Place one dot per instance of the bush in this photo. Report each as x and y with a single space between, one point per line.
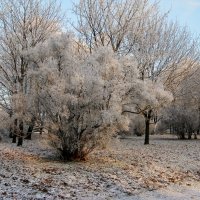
83 101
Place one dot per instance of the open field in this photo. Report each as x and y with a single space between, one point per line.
165 169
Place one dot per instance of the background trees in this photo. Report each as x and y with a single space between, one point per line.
137 29
108 23
23 24
182 117
121 57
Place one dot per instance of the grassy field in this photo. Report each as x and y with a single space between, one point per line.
166 169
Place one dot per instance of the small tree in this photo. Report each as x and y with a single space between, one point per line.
147 101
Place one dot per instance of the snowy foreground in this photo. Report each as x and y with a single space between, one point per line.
167 169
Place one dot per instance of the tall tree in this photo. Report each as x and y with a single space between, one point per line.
23 24
109 22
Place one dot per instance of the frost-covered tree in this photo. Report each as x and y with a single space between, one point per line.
109 22
137 28
183 116
82 98
189 91
23 24
180 120
162 48
147 100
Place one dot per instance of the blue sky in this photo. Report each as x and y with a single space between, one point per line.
186 12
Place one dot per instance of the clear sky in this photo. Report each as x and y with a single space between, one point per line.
186 12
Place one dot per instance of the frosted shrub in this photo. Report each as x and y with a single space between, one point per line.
82 99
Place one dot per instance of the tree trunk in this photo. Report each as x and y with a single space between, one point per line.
147 116
11 132
20 137
20 141
14 138
41 130
30 130
147 125
11 128
182 132
198 131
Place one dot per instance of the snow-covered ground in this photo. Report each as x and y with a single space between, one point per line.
166 169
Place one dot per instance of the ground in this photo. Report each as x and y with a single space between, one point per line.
166 169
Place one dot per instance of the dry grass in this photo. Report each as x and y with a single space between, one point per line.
124 170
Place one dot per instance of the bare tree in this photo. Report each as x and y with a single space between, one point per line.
139 29
162 48
147 100
183 115
109 22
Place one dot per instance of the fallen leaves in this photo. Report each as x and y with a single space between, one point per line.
122 170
